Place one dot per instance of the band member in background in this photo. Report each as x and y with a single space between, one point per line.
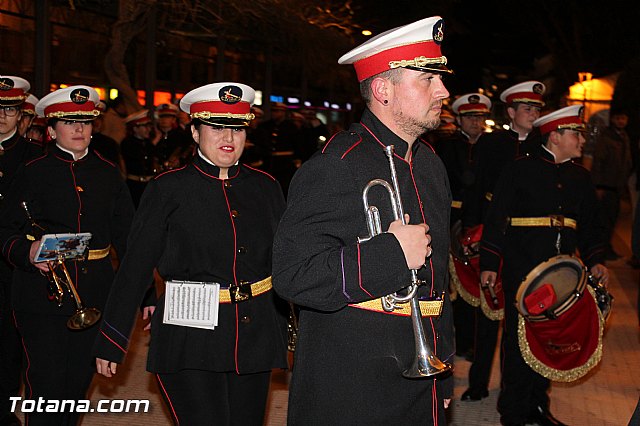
282 137
36 132
28 114
538 188
211 221
458 153
320 265
107 147
68 190
14 151
139 153
175 147
494 152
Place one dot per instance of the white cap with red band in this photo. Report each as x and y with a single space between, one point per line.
528 92
221 104
13 90
415 46
76 103
565 118
138 118
166 109
472 104
29 105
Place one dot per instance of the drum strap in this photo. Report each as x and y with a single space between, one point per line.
551 221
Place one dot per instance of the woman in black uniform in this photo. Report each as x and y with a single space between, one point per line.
68 190
211 221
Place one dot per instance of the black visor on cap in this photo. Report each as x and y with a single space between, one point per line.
440 69
74 118
224 122
11 102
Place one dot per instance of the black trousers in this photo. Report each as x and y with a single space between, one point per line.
522 389
58 363
10 345
463 321
486 337
197 397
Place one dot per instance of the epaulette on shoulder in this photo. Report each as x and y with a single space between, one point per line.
259 171
424 141
109 162
580 166
35 160
35 143
342 143
168 172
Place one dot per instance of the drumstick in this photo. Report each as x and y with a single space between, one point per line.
492 293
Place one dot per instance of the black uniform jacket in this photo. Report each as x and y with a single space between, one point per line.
494 151
319 264
139 156
193 226
65 196
15 151
459 158
536 186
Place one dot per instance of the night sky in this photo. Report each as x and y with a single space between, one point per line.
504 42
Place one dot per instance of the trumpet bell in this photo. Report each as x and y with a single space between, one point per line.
425 367
84 318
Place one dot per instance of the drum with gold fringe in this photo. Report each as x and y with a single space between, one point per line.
560 327
464 269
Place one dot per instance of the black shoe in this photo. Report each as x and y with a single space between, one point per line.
472 394
543 417
10 420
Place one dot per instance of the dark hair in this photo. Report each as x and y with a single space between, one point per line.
618 111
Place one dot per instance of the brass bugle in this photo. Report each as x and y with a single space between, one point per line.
58 284
83 317
425 362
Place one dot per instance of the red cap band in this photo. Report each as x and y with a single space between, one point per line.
379 62
473 108
139 121
12 93
553 125
217 107
69 108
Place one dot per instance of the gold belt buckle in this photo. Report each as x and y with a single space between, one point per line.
241 292
557 220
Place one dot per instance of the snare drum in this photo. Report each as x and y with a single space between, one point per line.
551 288
559 326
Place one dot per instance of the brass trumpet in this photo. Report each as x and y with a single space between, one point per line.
83 317
425 363
60 280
